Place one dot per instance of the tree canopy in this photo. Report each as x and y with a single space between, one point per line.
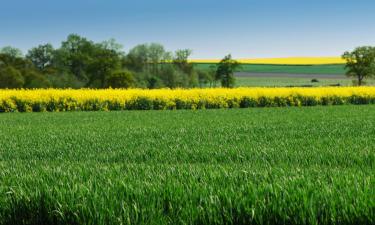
79 62
360 63
225 71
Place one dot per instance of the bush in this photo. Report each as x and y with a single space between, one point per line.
36 80
11 78
121 79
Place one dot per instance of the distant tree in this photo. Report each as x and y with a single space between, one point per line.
75 55
14 52
225 71
156 54
193 79
90 63
154 82
112 45
205 78
360 63
34 79
180 59
137 59
16 62
103 63
41 56
173 77
121 79
11 78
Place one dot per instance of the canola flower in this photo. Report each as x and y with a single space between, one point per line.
37 100
283 61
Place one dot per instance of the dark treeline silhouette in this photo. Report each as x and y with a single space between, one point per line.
82 63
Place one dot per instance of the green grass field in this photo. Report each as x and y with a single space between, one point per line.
320 72
292 69
311 165
289 81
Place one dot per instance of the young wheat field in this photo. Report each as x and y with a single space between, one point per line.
310 165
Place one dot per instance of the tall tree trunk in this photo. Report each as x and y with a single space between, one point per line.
360 78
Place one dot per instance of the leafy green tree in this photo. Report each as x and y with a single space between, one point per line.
64 80
180 59
193 79
121 79
20 72
41 56
15 62
90 63
112 45
154 82
14 52
205 78
146 58
360 63
173 77
75 56
11 78
225 71
34 79
103 64
137 59
156 54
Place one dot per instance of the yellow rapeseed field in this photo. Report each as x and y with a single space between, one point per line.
282 61
124 99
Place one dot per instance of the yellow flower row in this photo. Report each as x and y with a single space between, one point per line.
124 99
283 61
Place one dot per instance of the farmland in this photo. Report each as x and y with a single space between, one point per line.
244 79
282 61
276 75
310 165
286 69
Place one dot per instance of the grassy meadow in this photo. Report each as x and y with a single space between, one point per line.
282 61
309 165
289 81
289 75
288 69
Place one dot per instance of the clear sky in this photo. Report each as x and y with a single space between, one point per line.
211 28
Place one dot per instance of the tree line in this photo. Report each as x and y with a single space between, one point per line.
82 63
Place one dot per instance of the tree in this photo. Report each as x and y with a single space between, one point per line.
75 55
41 56
173 77
205 78
146 58
15 62
34 79
90 63
112 45
121 79
180 59
103 63
225 71
9 50
11 78
138 58
156 53
360 63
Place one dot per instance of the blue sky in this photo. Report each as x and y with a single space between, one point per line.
211 28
